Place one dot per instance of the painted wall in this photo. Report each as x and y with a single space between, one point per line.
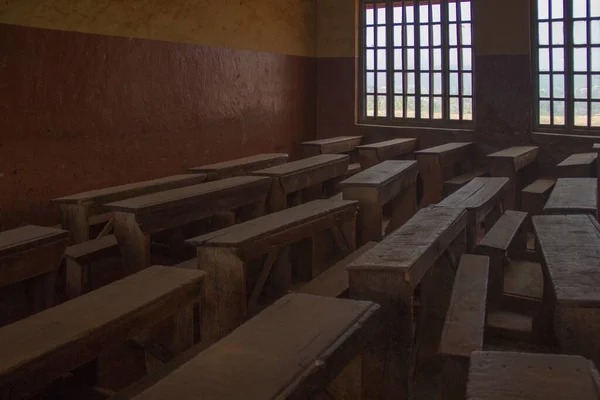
81 111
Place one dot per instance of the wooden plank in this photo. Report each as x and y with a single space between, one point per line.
535 195
116 193
452 185
334 281
580 165
445 148
381 174
91 250
374 153
40 349
572 196
465 319
520 156
241 166
476 193
290 350
28 237
336 145
504 231
413 248
511 375
568 243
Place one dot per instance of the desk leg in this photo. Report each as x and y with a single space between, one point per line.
500 168
370 213
576 331
75 219
405 206
543 323
134 243
277 197
433 179
225 303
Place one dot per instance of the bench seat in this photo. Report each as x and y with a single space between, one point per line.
452 185
335 145
580 165
241 166
535 195
374 153
290 350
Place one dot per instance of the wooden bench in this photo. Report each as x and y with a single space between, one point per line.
517 163
597 150
534 196
407 273
374 153
508 375
581 165
389 182
241 166
452 185
480 198
502 237
77 209
52 343
225 256
301 181
135 219
440 163
29 260
336 145
465 323
291 350
572 196
80 259
570 248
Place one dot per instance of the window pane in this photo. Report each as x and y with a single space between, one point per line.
452 11
410 107
454 109
594 8
452 35
595 86
580 89
381 36
558 59
381 106
437 108
580 60
437 83
595 114
424 13
436 12
410 35
410 13
381 66
397 59
543 12
558 33
398 111
467 84
398 83
437 35
425 59
544 33
424 36
595 27
466 34
579 32
595 59
467 109
454 83
466 58
557 9
559 86
437 59
370 82
397 36
369 16
453 59
397 14
425 108
559 113
370 59
410 83
381 82
544 112
580 8
410 59
544 60
370 106
580 109
381 15
465 11
544 86
425 83
370 38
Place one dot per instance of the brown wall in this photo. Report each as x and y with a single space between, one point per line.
80 111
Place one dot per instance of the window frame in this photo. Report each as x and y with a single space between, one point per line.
569 99
390 119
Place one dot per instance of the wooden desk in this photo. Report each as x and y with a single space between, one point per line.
572 196
581 165
437 164
513 163
303 178
510 375
390 181
29 255
570 249
136 218
241 166
407 276
336 145
225 255
291 350
76 209
52 343
374 153
479 197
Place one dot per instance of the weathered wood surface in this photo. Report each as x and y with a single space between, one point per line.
290 350
374 153
572 196
334 281
241 166
502 234
440 163
508 375
535 195
580 165
43 347
390 181
336 145
452 185
28 237
519 156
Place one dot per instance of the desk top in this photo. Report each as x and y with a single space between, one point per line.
27 237
476 193
572 196
242 166
304 165
445 148
381 174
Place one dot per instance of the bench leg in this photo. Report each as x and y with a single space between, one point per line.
134 243
454 378
277 200
225 304
75 219
433 179
370 222
404 208
281 274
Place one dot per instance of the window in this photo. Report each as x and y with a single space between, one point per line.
566 43
416 62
